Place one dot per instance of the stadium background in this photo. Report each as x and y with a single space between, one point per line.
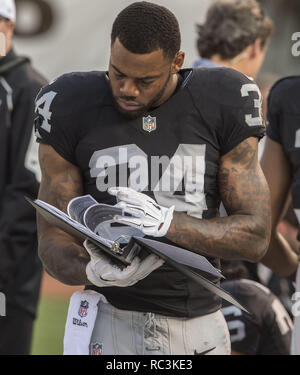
71 35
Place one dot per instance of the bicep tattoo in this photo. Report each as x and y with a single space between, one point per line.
242 185
59 188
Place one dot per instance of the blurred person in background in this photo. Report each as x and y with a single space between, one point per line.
20 268
235 34
281 166
267 330
282 287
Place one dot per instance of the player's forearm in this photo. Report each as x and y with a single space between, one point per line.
233 237
64 259
280 257
62 256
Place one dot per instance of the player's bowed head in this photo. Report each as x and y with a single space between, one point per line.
145 58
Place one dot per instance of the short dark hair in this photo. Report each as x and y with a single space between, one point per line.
231 26
144 27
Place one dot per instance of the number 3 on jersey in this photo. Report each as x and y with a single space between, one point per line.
42 107
245 90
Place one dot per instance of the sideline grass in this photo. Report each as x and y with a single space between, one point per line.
49 326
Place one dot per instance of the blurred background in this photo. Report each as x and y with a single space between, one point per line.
71 35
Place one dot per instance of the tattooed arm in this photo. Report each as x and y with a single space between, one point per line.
63 257
245 233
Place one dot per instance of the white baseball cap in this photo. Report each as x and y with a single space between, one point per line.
8 9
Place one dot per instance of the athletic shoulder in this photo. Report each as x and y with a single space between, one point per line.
267 329
284 95
248 331
286 84
221 84
229 102
66 106
73 92
283 109
247 288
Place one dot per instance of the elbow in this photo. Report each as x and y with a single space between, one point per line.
259 242
54 268
257 253
64 261
260 252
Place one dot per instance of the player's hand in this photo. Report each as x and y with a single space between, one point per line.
149 217
102 272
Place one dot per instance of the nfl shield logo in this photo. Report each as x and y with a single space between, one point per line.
149 123
97 349
83 309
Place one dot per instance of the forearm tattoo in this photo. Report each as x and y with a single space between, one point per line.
62 255
61 190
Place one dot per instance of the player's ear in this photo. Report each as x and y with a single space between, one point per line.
255 48
177 62
10 28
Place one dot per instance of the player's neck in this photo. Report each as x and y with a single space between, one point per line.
170 89
226 63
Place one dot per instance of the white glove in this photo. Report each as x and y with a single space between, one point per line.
102 272
149 217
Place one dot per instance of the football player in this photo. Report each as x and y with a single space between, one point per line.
235 34
267 330
169 144
282 150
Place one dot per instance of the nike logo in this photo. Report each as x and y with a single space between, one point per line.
205 351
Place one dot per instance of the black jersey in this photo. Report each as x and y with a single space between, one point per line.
267 330
172 153
284 127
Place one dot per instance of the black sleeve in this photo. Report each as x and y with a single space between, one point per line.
276 333
273 115
58 115
17 218
241 109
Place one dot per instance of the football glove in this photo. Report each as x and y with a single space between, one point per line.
102 272
148 216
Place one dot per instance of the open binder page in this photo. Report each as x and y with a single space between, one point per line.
78 206
56 217
184 261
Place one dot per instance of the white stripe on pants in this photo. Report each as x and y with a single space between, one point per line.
123 332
